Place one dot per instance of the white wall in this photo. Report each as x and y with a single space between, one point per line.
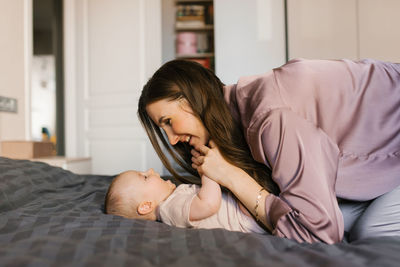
379 29
323 29
168 30
249 37
352 29
15 56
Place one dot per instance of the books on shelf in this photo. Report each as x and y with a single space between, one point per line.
190 16
186 11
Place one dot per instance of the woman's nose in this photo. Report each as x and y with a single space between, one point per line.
173 138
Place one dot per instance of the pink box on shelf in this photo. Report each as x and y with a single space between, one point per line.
186 43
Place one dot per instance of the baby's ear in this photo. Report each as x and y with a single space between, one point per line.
145 207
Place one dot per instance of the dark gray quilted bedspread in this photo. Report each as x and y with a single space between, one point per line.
52 217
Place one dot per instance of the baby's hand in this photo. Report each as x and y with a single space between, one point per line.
209 161
196 160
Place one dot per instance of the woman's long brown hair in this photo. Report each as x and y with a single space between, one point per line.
203 90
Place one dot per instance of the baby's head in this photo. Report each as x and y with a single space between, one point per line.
136 195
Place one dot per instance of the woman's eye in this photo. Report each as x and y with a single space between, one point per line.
168 122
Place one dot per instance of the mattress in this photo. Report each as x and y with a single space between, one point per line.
53 217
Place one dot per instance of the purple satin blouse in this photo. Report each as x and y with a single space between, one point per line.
327 129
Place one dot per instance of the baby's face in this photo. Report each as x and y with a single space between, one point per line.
146 185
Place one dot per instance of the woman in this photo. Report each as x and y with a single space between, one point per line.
289 143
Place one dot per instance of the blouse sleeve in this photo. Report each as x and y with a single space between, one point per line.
304 162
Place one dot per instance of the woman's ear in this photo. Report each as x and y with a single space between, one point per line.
145 207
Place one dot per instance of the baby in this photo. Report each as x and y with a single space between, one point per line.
145 195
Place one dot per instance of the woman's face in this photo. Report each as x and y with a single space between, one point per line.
176 118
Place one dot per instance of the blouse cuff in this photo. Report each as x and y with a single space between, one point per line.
275 208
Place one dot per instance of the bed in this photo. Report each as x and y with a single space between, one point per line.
52 217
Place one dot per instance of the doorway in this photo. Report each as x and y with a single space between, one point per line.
47 74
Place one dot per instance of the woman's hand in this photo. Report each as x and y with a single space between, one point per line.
210 162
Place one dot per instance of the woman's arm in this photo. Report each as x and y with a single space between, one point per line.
304 164
243 186
207 201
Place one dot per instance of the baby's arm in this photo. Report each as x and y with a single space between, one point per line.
207 201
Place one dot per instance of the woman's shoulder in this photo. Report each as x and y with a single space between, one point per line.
303 67
255 95
266 86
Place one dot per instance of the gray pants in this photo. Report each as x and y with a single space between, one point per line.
378 217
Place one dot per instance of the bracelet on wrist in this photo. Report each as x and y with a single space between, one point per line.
257 204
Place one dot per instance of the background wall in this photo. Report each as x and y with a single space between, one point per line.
15 53
354 29
113 47
249 37
168 29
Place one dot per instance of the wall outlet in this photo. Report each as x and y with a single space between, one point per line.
8 104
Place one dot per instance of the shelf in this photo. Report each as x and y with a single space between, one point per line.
194 30
189 28
198 55
192 1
